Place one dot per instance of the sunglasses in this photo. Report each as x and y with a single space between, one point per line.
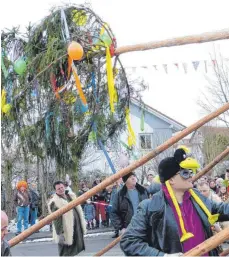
184 173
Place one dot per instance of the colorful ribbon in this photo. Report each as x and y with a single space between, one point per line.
78 86
110 80
131 134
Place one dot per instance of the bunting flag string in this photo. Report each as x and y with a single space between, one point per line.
185 67
165 68
177 65
196 65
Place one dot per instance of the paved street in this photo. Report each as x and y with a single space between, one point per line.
93 245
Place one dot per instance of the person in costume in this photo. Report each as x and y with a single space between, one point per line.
177 218
22 200
68 229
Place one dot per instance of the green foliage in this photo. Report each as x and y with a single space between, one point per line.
46 125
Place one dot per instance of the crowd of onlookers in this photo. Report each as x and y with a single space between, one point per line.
98 208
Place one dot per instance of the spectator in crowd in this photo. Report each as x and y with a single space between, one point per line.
213 186
22 200
150 176
71 226
5 248
83 189
175 220
126 201
34 203
89 212
154 187
108 202
205 190
223 194
117 186
99 201
219 183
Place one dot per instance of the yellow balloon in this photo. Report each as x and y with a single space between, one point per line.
79 17
6 108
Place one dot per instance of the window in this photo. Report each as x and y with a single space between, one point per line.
145 141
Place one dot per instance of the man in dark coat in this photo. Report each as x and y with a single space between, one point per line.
175 219
126 201
69 229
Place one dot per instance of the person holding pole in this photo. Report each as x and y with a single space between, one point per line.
177 218
69 229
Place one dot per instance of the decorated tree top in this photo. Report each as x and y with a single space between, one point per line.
60 86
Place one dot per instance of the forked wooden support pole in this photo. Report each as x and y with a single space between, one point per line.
116 176
211 164
192 39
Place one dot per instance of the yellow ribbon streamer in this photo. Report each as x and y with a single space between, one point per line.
211 218
78 86
185 235
110 80
131 134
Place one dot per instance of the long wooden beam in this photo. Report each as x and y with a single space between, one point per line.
118 175
209 244
211 164
192 39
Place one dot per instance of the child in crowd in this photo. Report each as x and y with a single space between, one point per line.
89 212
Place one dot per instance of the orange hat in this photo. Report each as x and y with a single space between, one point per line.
22 184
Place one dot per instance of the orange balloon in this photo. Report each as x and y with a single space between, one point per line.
75 51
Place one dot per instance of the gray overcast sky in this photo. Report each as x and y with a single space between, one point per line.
133 22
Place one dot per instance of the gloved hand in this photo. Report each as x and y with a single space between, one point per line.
61 239
173 254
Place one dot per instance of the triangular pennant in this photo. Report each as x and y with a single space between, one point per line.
195 64
205 64
184 64
214 62
177 65
165 68
155 67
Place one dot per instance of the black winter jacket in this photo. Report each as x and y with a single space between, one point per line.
122 210
153 230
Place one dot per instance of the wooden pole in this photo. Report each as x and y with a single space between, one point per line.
116 176
209 244
108 247
192 39
211 164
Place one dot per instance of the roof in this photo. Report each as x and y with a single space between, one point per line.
177 125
